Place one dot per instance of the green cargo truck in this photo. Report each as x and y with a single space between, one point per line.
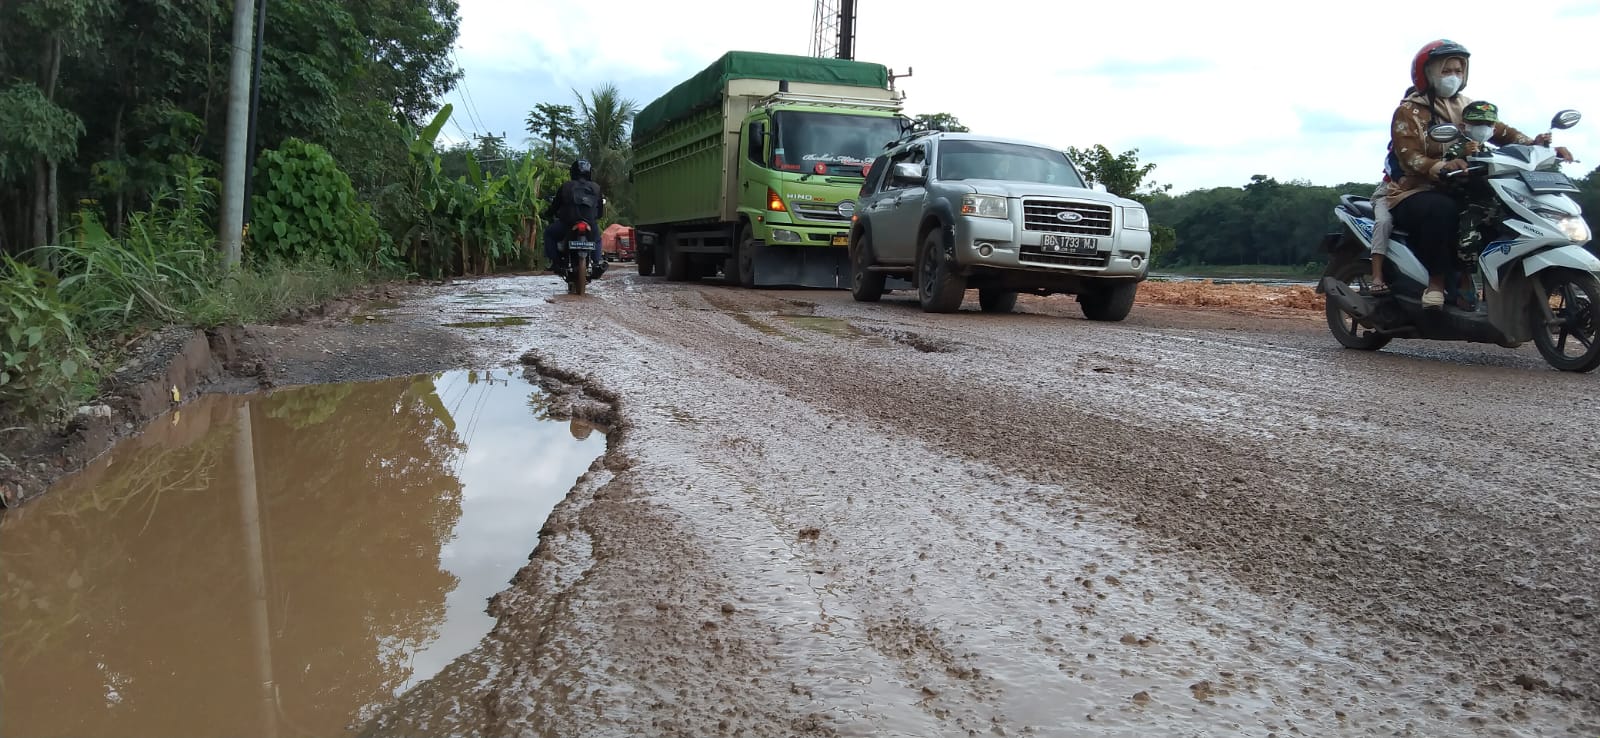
751 168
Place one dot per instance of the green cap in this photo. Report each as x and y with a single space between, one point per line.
1481 112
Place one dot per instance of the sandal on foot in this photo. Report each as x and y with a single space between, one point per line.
1433 298
1379 289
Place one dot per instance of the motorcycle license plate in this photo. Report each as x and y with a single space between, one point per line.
1056 243
841 239
1543 182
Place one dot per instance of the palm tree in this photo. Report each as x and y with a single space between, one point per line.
602 138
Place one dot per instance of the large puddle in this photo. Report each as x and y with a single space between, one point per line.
277 565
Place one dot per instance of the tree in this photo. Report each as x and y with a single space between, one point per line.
1124 176
602 138
552 123
1589 199
941 121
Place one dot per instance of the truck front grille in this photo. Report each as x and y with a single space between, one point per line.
819 213
1032 254
1044 215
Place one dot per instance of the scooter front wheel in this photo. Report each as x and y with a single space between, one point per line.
1343 325
1570 342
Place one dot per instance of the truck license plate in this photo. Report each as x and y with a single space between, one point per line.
1055 243
841 239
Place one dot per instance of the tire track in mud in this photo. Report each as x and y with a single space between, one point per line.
960 514
1267 513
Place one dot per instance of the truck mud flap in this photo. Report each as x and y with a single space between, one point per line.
802 266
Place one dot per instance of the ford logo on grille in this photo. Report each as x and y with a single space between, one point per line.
847 208
1067 216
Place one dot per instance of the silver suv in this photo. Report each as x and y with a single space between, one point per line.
955 211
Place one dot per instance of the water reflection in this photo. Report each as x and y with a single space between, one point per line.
277 565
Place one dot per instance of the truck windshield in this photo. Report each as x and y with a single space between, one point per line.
1005 161
829 143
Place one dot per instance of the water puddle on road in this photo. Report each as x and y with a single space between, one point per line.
277 565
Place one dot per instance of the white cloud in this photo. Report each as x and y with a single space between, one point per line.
1241 87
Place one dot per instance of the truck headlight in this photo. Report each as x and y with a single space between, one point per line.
1135 218
984 206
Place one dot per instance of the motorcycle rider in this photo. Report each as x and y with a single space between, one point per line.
579 199
1431 217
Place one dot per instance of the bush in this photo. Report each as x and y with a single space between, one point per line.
162 264
43 359
307 210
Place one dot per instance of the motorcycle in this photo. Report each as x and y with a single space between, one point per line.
576 260
1532 278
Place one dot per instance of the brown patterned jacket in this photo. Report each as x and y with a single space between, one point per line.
1420 157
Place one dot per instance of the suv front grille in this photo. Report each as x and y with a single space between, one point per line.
1032 254
1043 215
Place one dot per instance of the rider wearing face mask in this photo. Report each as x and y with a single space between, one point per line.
1438 75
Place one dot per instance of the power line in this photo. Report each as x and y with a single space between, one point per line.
472 106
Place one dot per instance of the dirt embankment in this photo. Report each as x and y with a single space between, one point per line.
167 368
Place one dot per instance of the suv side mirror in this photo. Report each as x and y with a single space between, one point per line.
1444 133
910 172
1565 119
1097 187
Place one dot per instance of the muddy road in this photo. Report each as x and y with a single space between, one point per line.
818 517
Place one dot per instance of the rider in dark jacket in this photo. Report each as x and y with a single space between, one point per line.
578 199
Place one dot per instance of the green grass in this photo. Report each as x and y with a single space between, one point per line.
269 292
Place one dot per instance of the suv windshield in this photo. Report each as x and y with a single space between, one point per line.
961 159
826 143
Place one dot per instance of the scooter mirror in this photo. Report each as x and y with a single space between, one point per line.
1444 133
1565 119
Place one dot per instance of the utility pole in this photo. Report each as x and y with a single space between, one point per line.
255 111
233 163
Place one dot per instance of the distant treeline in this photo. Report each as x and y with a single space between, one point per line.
1272 222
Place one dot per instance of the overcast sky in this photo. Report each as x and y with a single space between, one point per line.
1212 93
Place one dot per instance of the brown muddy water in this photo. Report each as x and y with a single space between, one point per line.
277 565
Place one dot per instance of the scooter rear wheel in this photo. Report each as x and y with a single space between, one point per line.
580 276
1573 343
1343 325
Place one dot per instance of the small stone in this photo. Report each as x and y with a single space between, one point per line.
727 609
1141 697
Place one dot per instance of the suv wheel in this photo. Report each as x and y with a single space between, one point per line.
939 288
997 301
1108 303
865 285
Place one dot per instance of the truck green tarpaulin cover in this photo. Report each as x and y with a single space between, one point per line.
705 89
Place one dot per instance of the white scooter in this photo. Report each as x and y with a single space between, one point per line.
1537 280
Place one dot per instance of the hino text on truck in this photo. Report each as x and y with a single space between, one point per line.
752 167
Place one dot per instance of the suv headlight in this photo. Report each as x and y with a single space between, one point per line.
984 206
1136 218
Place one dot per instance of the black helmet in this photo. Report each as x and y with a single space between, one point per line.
582 170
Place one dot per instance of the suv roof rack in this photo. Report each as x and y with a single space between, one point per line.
912 133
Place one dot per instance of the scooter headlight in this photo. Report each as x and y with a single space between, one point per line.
1572 226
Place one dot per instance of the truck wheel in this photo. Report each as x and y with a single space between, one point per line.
677 269
865 285
1109 303
939 289
744 259
646 262
997 301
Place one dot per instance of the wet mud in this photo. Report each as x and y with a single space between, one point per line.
828 518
